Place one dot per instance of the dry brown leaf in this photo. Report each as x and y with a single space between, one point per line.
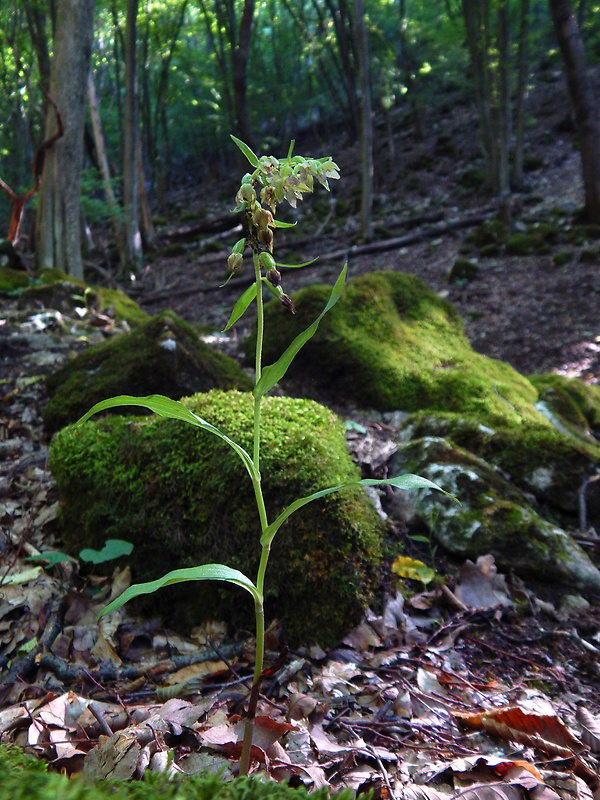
544 731
590 728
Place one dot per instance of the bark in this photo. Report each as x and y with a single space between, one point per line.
58 231
586 119
504 113
521 94
133 239
103 166
366 124
240 72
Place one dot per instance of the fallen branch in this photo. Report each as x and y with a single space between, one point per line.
334 255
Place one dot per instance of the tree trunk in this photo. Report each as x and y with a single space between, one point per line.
133 239
504 113
366 124
103 166
58 228
240 74
521 94
586 119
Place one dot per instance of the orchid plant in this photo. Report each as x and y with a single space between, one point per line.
271 182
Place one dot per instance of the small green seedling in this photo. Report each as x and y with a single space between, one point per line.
261 191
113 548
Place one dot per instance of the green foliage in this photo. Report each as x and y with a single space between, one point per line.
22 777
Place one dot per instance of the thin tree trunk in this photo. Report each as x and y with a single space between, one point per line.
133 239
104 168
240 72
504 112
366 124
586 119
523 75
58 229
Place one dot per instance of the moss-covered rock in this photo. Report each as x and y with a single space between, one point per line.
12 279
576 402
543 461
54 289
184 498
493 516
391 343
22 777
164 356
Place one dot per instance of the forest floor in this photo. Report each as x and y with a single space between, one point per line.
418 694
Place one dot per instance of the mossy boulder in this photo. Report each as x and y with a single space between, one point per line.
493 516
390 343
53 289
183 497
163 356
541 460
11 280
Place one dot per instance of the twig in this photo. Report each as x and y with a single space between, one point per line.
383 771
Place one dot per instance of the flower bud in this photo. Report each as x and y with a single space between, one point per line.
265 237
239 246
247 193
274 277
266 260
234 262
261 218
287 302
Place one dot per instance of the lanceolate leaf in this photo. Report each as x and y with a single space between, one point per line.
275 372
241 305
408 481
207 572
279 224
172 409
250 155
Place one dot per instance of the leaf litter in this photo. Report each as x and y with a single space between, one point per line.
476 689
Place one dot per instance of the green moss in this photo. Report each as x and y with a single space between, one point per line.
24 778
391 343
164 356
183 497
12 279
490 232
538 458
125 309
580 234
489 250
472 178
562 258
578 403
463 269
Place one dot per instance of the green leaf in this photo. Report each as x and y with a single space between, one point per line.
172 409
252 157
295 266
408 481
412 568
279 224
206 572
275 372
113 548
241 305
50 558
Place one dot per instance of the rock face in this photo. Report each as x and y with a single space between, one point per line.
183 497
493 517
163 356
